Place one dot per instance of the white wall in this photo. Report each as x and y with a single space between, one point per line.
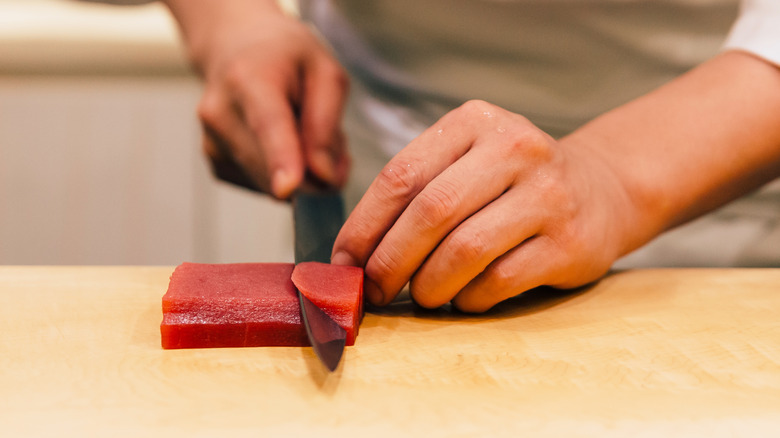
100 158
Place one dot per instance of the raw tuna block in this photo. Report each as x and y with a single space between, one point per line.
255 304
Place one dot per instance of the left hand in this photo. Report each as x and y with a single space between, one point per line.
273 96
482 207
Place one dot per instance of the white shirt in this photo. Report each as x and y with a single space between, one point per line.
559 63
757 30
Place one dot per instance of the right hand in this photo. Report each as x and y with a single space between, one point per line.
274 96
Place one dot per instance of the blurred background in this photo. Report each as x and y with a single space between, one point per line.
100 156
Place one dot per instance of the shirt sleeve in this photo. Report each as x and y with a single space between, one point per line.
757 30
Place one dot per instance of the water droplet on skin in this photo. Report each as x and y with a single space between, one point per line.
501 129
487 114
440 131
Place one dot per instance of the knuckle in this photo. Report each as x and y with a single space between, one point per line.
556 195
500 277
398 181
496 284
382 265
531 144
425 297
477 106
430 292
436 204
473 112
466 246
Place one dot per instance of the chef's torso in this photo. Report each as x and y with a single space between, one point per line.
558 62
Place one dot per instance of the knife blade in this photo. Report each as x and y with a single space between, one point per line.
317 219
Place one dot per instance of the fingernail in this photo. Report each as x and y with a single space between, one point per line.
325 165
282 183
373 293
343 258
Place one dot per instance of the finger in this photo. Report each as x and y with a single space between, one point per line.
397 184
230 146
223 166
466 187
322 106
468 250
534 263
268 112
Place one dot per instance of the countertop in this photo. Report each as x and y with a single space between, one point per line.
687 352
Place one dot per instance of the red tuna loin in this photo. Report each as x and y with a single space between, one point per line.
252 304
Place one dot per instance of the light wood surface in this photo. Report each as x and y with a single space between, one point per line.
642 353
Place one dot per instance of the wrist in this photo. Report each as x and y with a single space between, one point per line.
615 198
692 145
629 198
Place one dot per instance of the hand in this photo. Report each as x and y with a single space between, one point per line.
273 99
481 207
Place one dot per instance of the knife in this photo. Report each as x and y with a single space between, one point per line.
317 218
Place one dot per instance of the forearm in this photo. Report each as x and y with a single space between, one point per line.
198 18
694 144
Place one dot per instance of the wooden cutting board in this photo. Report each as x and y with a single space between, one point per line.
642 353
